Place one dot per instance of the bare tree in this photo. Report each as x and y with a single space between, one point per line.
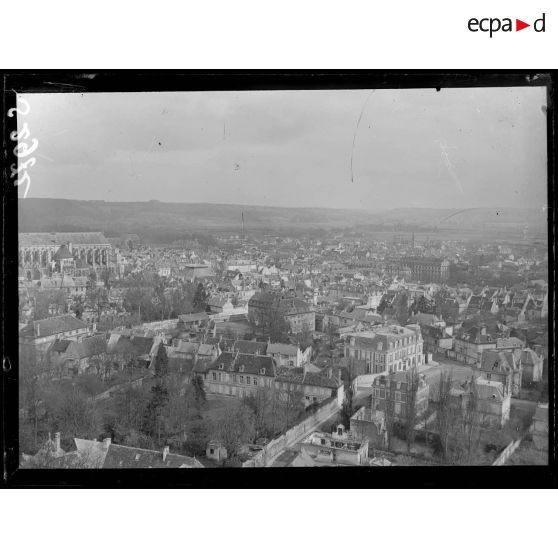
444 412
260 403
389 412
234 428
410 418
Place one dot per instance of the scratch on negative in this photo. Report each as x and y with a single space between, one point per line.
356 130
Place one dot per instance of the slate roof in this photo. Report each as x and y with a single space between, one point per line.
53 326
136 345
186 347
89 346
384 335
262 298
205 349
297 376
510 342
250 347
126 457
435 332
499 361
282 349
473 335
425 319
63 253
232 362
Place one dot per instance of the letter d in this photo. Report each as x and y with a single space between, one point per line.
535 25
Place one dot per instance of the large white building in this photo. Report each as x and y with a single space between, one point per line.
387 348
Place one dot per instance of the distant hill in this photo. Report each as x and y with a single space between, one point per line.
45 215
155 218
489 216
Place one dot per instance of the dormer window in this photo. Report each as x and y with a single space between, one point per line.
221 366
241 368
262 371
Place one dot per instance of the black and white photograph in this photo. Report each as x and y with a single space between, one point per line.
282 277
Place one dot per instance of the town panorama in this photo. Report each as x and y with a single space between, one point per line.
160 334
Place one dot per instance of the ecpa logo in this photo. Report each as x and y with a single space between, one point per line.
493 25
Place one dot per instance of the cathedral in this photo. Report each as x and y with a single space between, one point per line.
74 254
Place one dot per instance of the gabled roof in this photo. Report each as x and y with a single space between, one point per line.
474 335
282 349
116 456
253 364
205 349
135 345
297 376
63 253
186 347
499 361
510 342
435 332
52 326
250 347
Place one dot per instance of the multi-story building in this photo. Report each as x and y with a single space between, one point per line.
436 339
239 374
395 392
503 366
469 345
387 349
492 402
288 355
300 321
310 387
266 308
427 270
532 365
40 334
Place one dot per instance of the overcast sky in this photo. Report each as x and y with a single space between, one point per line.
352 149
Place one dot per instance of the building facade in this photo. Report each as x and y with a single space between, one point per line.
428 270
387 349
394 392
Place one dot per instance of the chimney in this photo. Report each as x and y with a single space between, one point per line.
106 443
37 329
165 452
57 442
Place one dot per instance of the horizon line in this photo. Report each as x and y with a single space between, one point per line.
280 206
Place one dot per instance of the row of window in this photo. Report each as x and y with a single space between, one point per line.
381 357
241 368
239 378
381 394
